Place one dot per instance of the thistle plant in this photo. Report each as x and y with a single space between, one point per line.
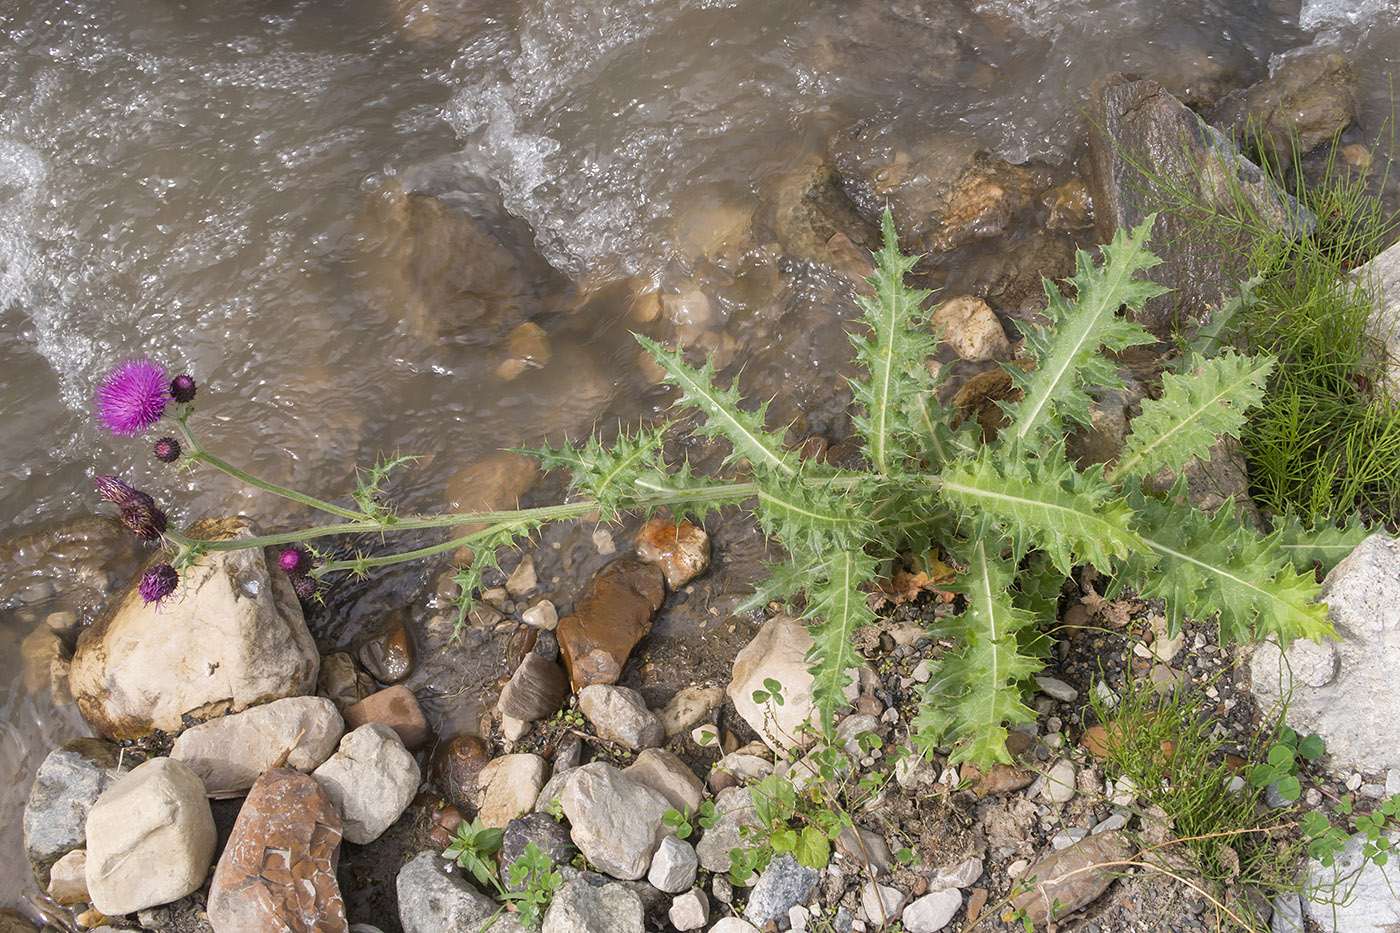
1012 514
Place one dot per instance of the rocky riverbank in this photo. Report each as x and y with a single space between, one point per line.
320 788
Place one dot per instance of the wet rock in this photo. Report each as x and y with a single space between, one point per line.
613 614
371 778
814 220
778 652
496 481
45 661
342 681
397 708
550 837
389 656
456 767
689 911
1345 690
510 785
616 821
230 752
522 580
664 772
619 714
1211 480
783 884
277 872
673 867
448 254
971 328
689 706
1136 124
932 912
235 638
581 907
68 879
1309 97
735 808
68 783
527 347
433 898
542 615
682 551
943 191
536 690
150 838
1012 278
1061 878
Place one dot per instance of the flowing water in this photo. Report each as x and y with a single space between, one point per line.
219 186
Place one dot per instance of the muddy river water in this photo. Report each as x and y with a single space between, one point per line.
221 186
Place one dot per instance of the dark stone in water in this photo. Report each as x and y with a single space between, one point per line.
1136 125
455 767
613 614
391 655
539 828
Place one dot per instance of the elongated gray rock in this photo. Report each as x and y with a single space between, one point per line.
619 714
150 838
230 752
616 822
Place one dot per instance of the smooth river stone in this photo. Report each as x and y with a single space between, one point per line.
391 655
613 614
229 753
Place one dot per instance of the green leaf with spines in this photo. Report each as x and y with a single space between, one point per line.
1201 565
1067 351
1326 545
606 473
893 356
785 579
798 514
685 492
974 692
1044 502
724 417
838 605
1193 413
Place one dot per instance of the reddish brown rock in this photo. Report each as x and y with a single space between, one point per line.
397 708
1069 879
390 655
681 551
607 622
277 872
455 767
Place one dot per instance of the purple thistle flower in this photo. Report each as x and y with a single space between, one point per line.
167 450
143 518
295 561
114 490
132 397
182 388
158 583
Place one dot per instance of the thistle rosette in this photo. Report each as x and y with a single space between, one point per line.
133 397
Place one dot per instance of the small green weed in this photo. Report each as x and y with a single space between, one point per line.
1282 762
473 849
534 870
684 822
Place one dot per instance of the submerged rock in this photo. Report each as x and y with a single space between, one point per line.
613 614
681 550
390 655
1138 126
235 637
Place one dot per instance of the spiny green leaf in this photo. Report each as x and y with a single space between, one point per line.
801 514
1326 545
1193 413
687 493
893 355
1043 502
785 579
607 473
839 605
1067 352
974 692
1202 565
723 415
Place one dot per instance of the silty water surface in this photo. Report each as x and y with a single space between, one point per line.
201 182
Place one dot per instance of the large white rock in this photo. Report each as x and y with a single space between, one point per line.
510 785
231 638
615 821
1353 896
1345 690
619 714
150 838
778 652
372 778
230 752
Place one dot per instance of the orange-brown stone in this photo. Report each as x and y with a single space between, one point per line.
613 614
397 708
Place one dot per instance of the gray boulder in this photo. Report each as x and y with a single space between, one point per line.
432 900
582 907
1354 895
69 782
616 821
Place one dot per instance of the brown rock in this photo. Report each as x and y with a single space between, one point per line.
277 872
682 551
445 822
971 328
607 622
397 708
1068 877
342 682
455 767
390 656
537 689
1002 779
975 903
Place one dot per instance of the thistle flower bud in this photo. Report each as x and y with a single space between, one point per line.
295 561
167 450
305 587
144 519
182 388
114 490
158 583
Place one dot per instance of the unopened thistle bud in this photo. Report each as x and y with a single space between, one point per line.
182 388
144 519
305 588
167 450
